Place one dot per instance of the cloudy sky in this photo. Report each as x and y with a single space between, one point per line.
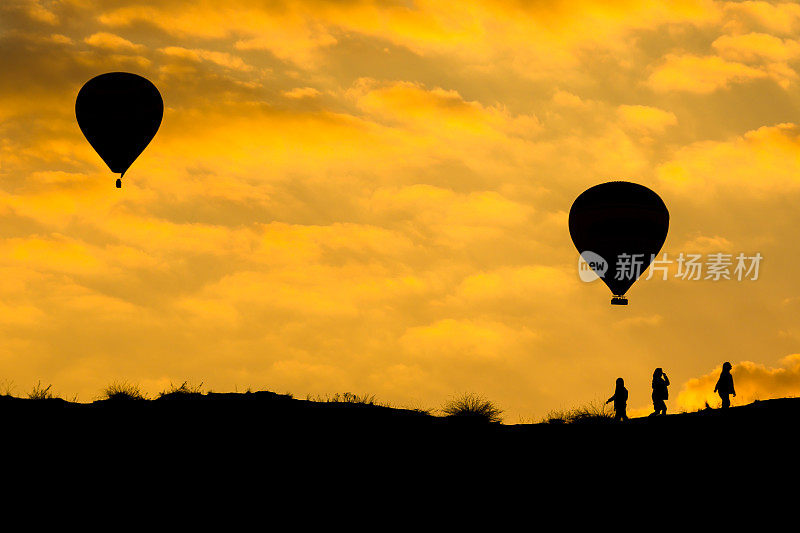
372 197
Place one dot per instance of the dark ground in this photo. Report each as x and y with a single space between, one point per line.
273 439
255 449
243 419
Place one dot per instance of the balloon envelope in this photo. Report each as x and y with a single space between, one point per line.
119 114
616 220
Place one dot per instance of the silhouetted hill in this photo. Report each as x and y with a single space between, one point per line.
263 431
280 416
271 437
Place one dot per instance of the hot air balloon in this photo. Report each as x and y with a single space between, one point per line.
618 227
119 114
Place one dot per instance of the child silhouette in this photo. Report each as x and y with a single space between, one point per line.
660 394
620 400
724 385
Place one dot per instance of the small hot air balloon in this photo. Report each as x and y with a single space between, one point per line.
119 114
623 223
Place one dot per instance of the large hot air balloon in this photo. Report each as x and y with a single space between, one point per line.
119 113
618 227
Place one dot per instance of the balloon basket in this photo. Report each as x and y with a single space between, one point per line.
619 300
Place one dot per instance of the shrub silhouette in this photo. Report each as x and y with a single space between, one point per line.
473 407
556 417
347 397
591 413
184 392
8 388
39 393
416 407
122 390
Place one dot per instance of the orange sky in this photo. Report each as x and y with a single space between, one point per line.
372 197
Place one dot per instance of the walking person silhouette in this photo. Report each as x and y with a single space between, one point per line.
724 385
660 393
620 399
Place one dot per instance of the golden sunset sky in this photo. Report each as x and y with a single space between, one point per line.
373 196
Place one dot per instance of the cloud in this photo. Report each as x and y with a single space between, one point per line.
706 244
530 38
285 30
38 12
756 47
112 42
638 321
466 340
771 54
700 74
222 59
761 161
511 287
442 217
752 381
647 118
301 92
567 99
60 39
20 315
438 109
778 17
